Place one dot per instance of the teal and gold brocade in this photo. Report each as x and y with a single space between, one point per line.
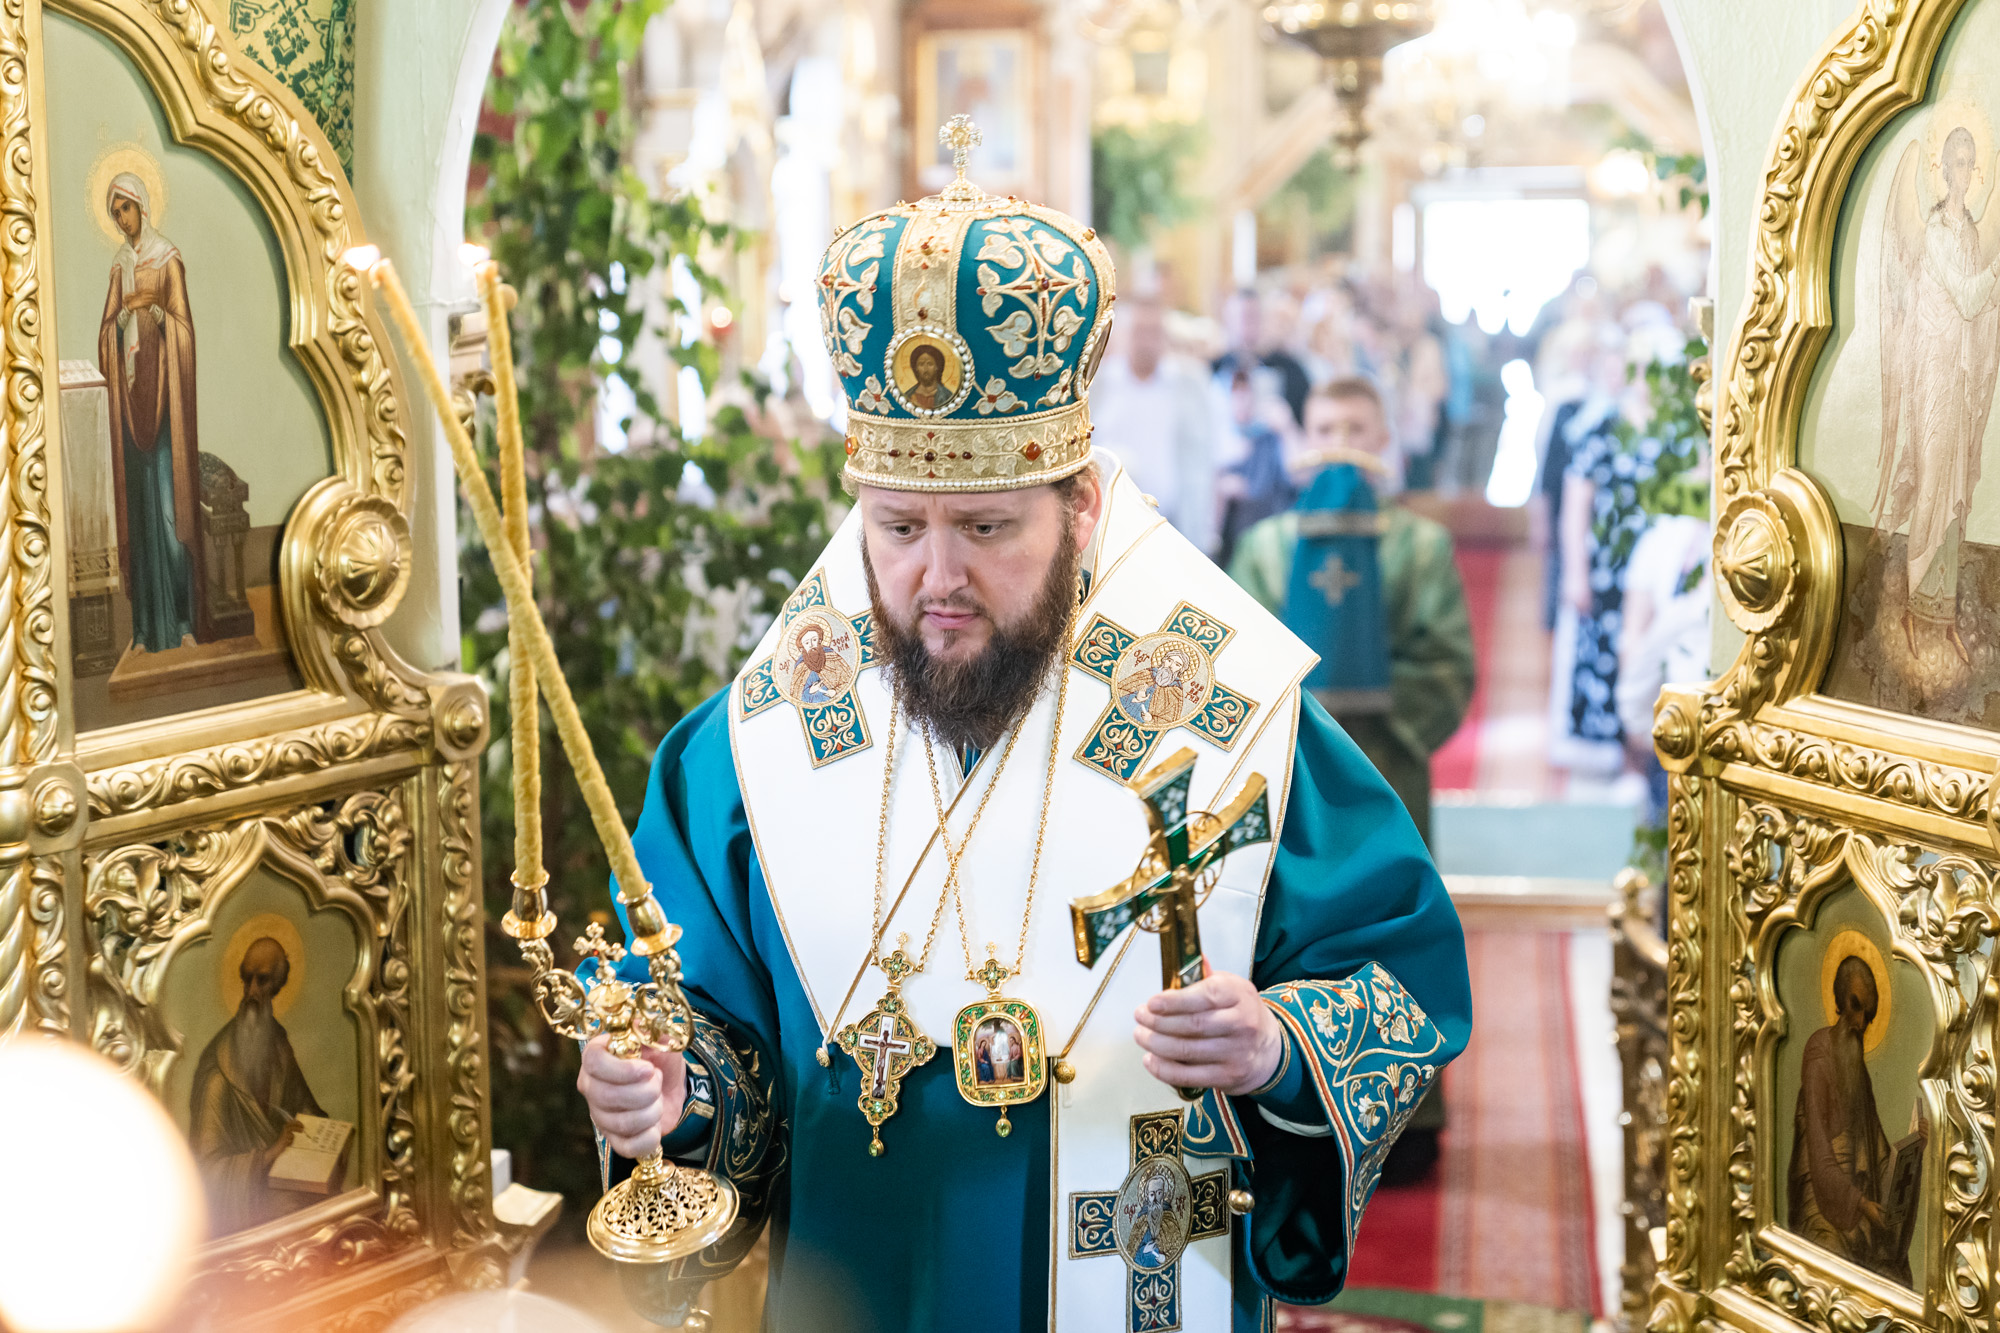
1362 1053
309 44
1007 302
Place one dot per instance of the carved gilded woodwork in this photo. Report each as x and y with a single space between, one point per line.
1639 1010
357 792
1785 802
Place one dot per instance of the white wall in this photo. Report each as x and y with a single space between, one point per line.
420 71
1743 60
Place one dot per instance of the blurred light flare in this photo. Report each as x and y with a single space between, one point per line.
105 1213
1502 260
1512 481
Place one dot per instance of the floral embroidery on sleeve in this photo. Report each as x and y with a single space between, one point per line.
1373 1053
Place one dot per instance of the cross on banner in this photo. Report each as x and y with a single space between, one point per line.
1150 1220
1184 851
1335 580
1158 681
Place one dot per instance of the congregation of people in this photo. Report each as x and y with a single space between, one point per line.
1225 421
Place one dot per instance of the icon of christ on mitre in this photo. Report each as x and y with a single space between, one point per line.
854 918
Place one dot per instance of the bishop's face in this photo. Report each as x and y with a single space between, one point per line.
953 567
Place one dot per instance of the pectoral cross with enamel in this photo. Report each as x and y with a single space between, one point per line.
886 1046
1177 869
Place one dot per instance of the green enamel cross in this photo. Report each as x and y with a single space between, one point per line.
993 973
1163 893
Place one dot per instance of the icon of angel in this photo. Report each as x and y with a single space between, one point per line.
820 675
1940 351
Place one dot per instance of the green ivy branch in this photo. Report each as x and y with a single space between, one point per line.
1135 180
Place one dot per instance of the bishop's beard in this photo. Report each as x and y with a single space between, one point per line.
971 702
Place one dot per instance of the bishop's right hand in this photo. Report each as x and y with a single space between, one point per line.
633 1102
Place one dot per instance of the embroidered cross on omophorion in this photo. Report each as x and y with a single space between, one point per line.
1150 1220
1158 681
820 655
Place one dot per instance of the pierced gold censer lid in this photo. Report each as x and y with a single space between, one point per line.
664 1211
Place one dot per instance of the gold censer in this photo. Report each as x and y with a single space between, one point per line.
665 1211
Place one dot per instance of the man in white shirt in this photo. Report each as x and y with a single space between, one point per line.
1156 416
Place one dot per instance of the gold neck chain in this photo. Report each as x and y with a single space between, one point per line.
994 974
882 840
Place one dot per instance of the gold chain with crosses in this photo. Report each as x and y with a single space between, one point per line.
991 975
1062 1069
882 835
869 957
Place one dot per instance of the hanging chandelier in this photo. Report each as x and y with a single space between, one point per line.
1351 37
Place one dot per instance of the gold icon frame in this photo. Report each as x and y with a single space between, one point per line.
361 788
1780 796
1027 1021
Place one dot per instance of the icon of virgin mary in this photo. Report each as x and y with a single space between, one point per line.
145 348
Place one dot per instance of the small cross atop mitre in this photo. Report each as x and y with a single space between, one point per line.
961 136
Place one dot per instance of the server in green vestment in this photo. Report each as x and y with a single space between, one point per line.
870 843
1422 600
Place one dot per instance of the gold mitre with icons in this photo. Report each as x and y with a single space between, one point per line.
965 328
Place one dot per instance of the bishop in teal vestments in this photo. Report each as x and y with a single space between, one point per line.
1002 580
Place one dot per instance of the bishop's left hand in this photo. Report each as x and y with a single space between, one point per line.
1217 1033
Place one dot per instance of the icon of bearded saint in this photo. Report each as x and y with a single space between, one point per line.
1163 690
1157 1230
819 674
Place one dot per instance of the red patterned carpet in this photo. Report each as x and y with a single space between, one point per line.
1455 767
1507 1215
1368 1311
